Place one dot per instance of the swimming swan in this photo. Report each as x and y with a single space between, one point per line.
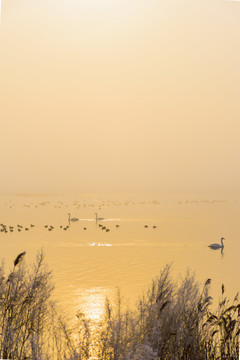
72 219
216 246
99 218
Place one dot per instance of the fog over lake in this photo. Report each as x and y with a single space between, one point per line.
129 110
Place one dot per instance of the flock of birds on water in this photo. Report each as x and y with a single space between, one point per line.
8 228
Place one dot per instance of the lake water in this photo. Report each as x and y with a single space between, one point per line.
90 264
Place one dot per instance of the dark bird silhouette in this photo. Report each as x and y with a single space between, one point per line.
216 246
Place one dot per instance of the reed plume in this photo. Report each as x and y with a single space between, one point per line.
19 258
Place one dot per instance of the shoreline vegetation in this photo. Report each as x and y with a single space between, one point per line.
171 321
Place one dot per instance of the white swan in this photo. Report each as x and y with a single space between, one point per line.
99 218
72 219
216 246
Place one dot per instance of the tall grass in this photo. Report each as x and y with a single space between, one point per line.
171 321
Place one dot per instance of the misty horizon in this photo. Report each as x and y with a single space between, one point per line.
118 98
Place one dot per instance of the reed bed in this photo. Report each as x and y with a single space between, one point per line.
171 321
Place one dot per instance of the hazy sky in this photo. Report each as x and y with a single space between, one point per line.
120 96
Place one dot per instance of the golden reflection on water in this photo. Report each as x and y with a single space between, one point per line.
91 302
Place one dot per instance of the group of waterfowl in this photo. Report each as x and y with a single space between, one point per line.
8 228
103 227
65 227
50 227
5 228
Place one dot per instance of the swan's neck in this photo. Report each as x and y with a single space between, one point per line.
222 243
96 215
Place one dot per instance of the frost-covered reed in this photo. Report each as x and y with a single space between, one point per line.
171 321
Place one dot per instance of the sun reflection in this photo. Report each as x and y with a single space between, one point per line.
92 302
99 244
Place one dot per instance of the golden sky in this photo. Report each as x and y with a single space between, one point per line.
120 96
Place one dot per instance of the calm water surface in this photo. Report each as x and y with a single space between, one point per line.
90 264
